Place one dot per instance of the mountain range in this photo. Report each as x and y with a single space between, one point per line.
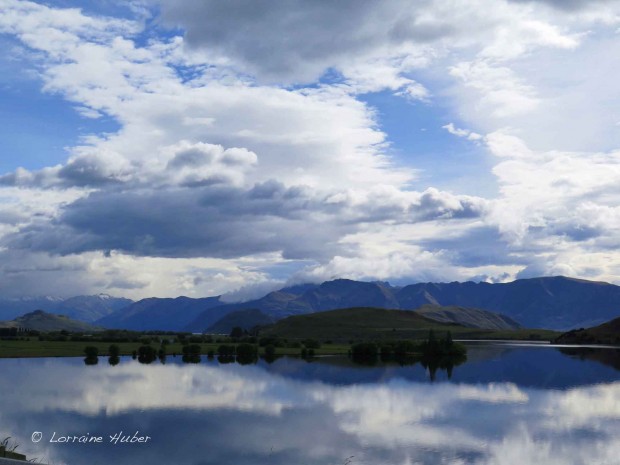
558 303
160 313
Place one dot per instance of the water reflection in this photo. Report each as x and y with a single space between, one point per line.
606 357
210 413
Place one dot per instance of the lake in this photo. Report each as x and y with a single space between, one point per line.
509 404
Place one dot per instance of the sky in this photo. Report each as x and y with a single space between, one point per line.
173 147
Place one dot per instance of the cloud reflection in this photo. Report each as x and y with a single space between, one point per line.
246 415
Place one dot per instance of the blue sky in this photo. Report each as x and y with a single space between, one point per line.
418 138
160 148
36 127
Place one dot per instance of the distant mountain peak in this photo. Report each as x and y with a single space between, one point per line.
35 313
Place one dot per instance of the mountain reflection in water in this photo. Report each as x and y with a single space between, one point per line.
511 406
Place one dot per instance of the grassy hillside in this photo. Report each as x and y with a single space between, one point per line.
607 333
470 317
42 321
245 319
365 323
356 323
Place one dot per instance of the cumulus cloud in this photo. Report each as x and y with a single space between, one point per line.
300 41
560 208
499 90
401 34
227 222
231 148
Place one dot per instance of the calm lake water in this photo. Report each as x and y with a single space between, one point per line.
508 405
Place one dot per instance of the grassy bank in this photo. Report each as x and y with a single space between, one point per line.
35 348
327 333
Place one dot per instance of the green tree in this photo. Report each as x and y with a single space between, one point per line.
236 332
191 353
92 355
114 350
270 350
225 350
146 354
311 344
91 352
246 353
365 352
192 349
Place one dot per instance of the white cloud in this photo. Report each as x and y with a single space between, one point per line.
466 133
499 91
503 144
560 207
213 133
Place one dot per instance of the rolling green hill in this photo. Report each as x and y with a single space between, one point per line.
365 323
357 323
607 333
42 321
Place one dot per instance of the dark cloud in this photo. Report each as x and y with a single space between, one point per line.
580 233
476 247
21 178
26 273
567 5
215 222
191 158
434 205
86 171
224 222
83 171
573 230
12 217
299 39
